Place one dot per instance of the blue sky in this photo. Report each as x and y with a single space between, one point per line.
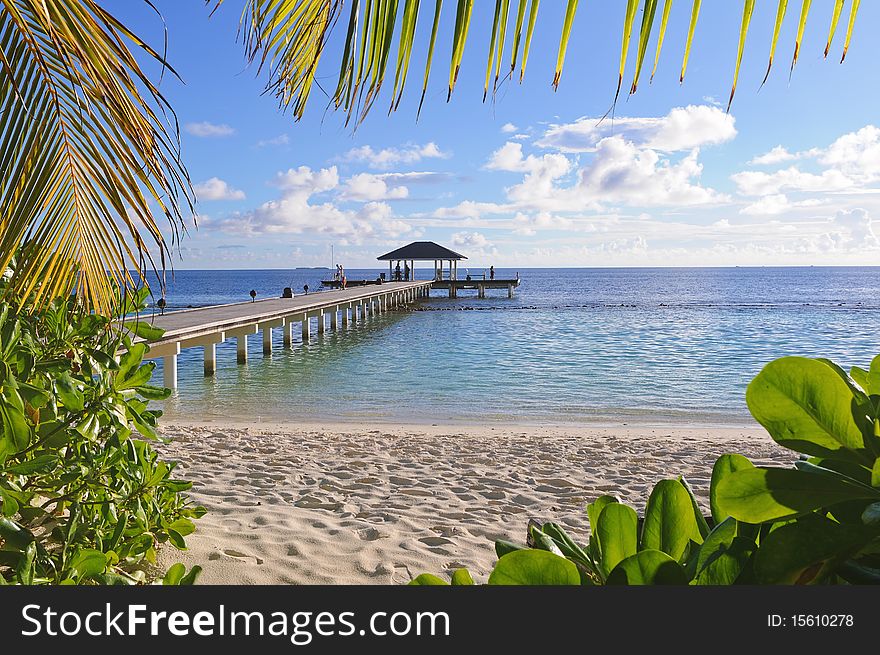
790 176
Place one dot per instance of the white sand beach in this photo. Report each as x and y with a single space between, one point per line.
337 504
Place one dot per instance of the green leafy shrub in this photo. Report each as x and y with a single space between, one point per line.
816 523
84 498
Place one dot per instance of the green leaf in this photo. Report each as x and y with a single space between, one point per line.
702 524
724 465
182 526
428 580
190 578
130 361
174 575
803 552
462 578
648 567
88 562
144 330
617 532
534 567
669 520
40 464
502 547
723 555
806 406
153 393
760 495
69 392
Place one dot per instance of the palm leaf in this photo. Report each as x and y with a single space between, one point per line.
533 17
648 12
667 7
748 8
517 33
86 158
631 7
491 55
835 17
802 25
459 37
780 16
570 11
437 7
849 30
404 50
695 14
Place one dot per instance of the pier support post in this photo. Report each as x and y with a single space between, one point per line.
334 319
267 341
306 328
241 348
510 291
210 358
288 333
169 371
322 324
345 316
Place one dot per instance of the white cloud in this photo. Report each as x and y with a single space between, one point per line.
856 228
280 140
217 189
776 203
473 240
683 128
205 129
509 128
295 211
389 157
775 155
758 183
366 186
856 154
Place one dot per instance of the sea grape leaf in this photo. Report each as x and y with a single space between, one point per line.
806 406
669 520
724 465
760 495
617 531
534 567
648 567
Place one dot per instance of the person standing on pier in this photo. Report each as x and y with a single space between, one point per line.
397 272
406 272
491 272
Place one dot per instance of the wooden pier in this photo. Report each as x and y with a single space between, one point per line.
207 326
453 286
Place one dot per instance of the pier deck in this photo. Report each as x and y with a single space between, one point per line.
479 284
207 326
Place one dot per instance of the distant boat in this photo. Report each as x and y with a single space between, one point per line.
312 268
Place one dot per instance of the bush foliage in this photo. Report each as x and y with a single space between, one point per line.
84 498
816 523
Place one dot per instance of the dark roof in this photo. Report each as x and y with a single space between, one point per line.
422 250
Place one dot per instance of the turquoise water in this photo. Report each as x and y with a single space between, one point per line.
572 345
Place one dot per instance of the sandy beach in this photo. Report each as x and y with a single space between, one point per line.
336 504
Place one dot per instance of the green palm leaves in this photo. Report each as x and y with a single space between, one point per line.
292 34
86 159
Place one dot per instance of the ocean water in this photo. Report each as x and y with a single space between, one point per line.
606 346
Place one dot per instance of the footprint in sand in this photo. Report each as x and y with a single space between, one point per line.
369 534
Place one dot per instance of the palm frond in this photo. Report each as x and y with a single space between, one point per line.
849 30
86 158
667 7
835 18
695 14
288 37
748 8
780 16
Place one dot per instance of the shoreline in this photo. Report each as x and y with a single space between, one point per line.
379 503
